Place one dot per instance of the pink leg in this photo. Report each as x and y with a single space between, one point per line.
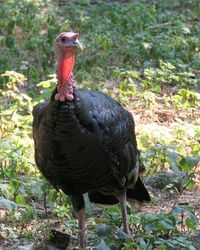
81 224
122 201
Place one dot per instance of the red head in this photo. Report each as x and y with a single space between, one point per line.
66 43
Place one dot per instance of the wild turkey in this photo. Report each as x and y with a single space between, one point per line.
85 142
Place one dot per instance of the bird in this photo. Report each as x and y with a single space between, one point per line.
85 142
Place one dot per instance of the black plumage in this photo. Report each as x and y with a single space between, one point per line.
79 144
88 145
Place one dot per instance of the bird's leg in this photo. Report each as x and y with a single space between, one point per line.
79 208
122 201
81 224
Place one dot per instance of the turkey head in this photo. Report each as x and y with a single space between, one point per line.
66 44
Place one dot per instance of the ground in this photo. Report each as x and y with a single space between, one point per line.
162 201
165 202
146 54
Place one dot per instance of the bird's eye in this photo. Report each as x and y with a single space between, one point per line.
63 39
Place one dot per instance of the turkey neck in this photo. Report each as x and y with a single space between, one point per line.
65 90
65 66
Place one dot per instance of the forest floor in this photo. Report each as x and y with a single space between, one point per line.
168 200
165 202
145 54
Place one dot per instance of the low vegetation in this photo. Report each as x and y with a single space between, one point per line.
146 54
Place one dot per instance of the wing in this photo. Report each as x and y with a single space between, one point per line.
40 157
114 126
38 112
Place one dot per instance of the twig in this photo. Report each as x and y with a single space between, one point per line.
160 25
45 203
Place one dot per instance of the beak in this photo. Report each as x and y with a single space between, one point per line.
78 45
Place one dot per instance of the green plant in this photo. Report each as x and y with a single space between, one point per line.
150 51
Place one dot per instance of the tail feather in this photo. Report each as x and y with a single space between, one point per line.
100 198
138 193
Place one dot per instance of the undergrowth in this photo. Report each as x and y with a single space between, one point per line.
140 53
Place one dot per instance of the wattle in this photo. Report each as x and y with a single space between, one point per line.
65 77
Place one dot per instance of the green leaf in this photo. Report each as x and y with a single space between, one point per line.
143 243
172 155
102 246
44 84
53 195
162 247
7 204
167 225
5 144
20 199
185 30
88 204
122 235
190 223
103 230
149 227
188 163
175 168
10 42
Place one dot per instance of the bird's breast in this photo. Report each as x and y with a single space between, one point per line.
74 153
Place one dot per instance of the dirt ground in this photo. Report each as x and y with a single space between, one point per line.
163 119
165 202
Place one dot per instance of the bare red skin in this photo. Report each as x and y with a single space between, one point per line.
64 75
